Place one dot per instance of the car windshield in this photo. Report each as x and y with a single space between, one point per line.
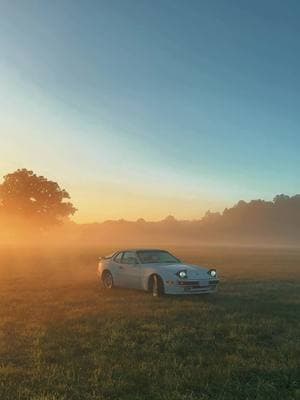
156 256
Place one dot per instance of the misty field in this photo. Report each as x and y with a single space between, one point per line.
61 337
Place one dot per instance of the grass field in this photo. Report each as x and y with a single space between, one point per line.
63 338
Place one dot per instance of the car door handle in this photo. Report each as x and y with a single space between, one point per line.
120 267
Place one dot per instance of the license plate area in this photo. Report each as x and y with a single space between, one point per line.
195 288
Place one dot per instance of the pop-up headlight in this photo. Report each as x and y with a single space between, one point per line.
182 274
212 273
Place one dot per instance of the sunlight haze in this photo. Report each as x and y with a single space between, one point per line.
144 110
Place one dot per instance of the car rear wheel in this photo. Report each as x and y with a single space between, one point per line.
156 286
107 280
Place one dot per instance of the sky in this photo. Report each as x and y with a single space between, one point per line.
149 108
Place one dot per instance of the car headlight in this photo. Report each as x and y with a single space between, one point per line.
212 273
182 274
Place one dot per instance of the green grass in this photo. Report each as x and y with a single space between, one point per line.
63 338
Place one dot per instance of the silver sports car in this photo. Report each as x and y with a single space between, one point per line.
156 271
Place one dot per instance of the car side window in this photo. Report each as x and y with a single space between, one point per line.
118 258
129 257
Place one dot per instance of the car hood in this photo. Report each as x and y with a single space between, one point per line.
193 271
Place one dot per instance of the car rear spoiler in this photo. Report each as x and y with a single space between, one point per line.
105 257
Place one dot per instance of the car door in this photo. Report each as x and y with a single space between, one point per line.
130 271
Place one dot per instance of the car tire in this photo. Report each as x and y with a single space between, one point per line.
156 286
107 280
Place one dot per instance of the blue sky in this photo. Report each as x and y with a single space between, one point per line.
146 108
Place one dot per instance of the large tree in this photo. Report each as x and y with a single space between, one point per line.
33 198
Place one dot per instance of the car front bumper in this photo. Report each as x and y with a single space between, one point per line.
191 286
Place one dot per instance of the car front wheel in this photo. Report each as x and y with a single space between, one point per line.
107 280
156 286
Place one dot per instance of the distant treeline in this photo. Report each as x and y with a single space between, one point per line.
34 208
255 222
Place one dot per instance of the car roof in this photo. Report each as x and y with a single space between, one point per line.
140 249
112 255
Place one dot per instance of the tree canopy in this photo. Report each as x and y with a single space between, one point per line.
33 198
